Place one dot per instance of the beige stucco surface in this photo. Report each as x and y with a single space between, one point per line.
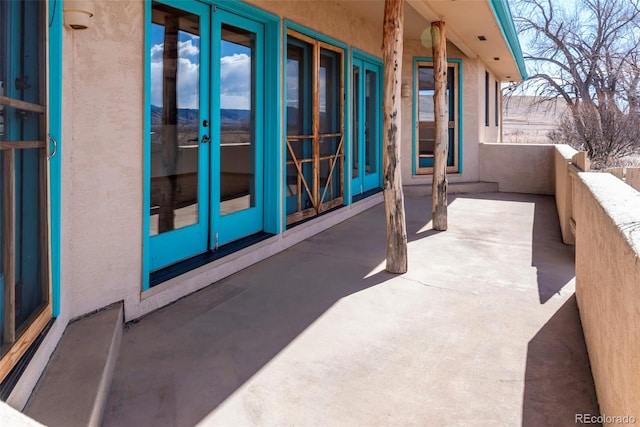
518 168
331 19
608 288
102 147
564 189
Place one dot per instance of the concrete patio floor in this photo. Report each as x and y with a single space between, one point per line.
482 330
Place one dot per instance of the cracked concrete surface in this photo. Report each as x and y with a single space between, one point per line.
482 330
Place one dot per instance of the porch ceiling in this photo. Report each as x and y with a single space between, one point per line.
466 20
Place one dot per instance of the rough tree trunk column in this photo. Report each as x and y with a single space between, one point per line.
393 197
439 190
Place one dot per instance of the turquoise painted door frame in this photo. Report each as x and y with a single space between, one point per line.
367 124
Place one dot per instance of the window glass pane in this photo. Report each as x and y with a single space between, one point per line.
237 120
371 128
426 115
175 118
329 91
299 122
298 88
356 122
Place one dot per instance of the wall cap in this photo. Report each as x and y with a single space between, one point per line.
619 201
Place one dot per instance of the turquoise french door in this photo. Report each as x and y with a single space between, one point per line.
366 141
237 148
206 136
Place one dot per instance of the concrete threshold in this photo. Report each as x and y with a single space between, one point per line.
74 387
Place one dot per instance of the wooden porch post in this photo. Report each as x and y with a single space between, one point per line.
392 49
439 185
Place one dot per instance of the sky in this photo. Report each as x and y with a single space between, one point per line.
235 69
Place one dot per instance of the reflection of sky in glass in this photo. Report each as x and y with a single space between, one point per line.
235 76
323 89
292 83
234 63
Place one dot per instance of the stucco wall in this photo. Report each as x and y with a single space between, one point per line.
331 19
102 148
518 168
608 287
564 189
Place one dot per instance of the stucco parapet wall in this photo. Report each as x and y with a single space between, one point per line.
566 151
518 168
620 202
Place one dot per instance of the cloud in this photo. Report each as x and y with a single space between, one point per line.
156 52
186 49
235 81
188 83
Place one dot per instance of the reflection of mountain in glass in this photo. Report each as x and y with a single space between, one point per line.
189 116
236 121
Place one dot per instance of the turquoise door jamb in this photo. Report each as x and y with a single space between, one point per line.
55 130
146 170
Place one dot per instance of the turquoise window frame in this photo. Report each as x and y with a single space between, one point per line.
54 13
272 119
290 25
414 144
358 55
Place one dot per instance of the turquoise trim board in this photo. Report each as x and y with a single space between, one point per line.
146 174
502 12
55 130
458 61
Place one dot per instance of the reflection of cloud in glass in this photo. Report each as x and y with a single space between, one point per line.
292 83
235 81
188 90
188 72
185 49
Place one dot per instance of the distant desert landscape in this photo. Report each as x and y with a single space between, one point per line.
529 121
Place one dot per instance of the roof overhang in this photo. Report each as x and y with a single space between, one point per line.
467 22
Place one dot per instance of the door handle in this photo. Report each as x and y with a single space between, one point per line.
205 139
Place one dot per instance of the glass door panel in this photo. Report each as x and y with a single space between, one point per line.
425 127
355 143
372 140
237 151
300 139
179 132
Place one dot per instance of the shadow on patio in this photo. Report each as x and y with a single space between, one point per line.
319 334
